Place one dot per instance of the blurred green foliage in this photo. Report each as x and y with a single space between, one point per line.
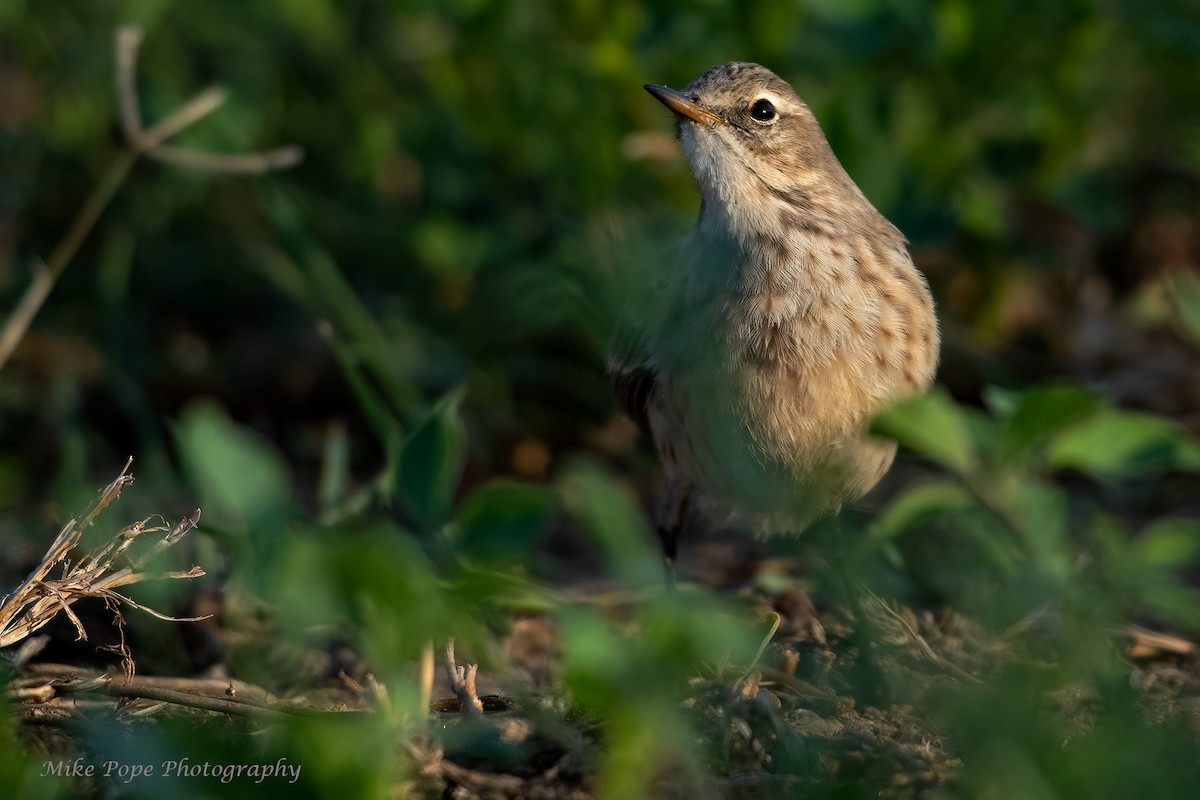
1025 533
473 169
338 362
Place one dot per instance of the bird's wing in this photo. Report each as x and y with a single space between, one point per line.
633 373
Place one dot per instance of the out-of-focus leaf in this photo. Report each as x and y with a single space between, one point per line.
918 508
635 677
1184 291
982 430
1114 443
1169 543
499 522
609 513
325 750
1040 512
431 463
1178 604
22 766
1000 401
375 584
931 425
642 666
242 480
480 587
1042 411
980 205
594 656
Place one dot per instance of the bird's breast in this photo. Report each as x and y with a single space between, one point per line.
778 363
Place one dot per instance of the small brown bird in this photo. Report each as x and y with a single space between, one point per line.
794 315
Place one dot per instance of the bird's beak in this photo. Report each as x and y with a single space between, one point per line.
683 105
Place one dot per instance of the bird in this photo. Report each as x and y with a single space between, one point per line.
792 315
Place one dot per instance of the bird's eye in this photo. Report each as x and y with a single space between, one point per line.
763 111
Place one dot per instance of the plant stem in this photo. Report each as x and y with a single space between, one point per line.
18 323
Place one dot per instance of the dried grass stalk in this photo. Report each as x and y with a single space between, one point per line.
139 141
39 598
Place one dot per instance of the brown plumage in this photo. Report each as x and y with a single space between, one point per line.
794 314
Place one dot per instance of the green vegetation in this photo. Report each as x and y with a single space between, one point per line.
380 375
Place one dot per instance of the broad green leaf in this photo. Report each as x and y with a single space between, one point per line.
1109 538
609 512
1114 443
1042 411
1169 543
488 587
501 521
1041 513
918 508
431 464
1177 603
242 480
931 425
983 430
594 656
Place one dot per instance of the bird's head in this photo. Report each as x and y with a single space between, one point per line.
752 142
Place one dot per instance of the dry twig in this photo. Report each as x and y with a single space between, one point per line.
1145 643
54 690
139 141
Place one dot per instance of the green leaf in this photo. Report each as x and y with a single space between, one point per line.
1042 411
501 521
374 583
931 425
1169 543
244 483
1000 401
431 463
1114 443
609 512
918 508
1184 291
1177 603
504 590
1040 512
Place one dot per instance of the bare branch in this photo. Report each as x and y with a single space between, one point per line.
128 41
43 688
139 141
229 163
185 116
22 316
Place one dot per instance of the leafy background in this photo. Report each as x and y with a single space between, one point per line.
380 373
